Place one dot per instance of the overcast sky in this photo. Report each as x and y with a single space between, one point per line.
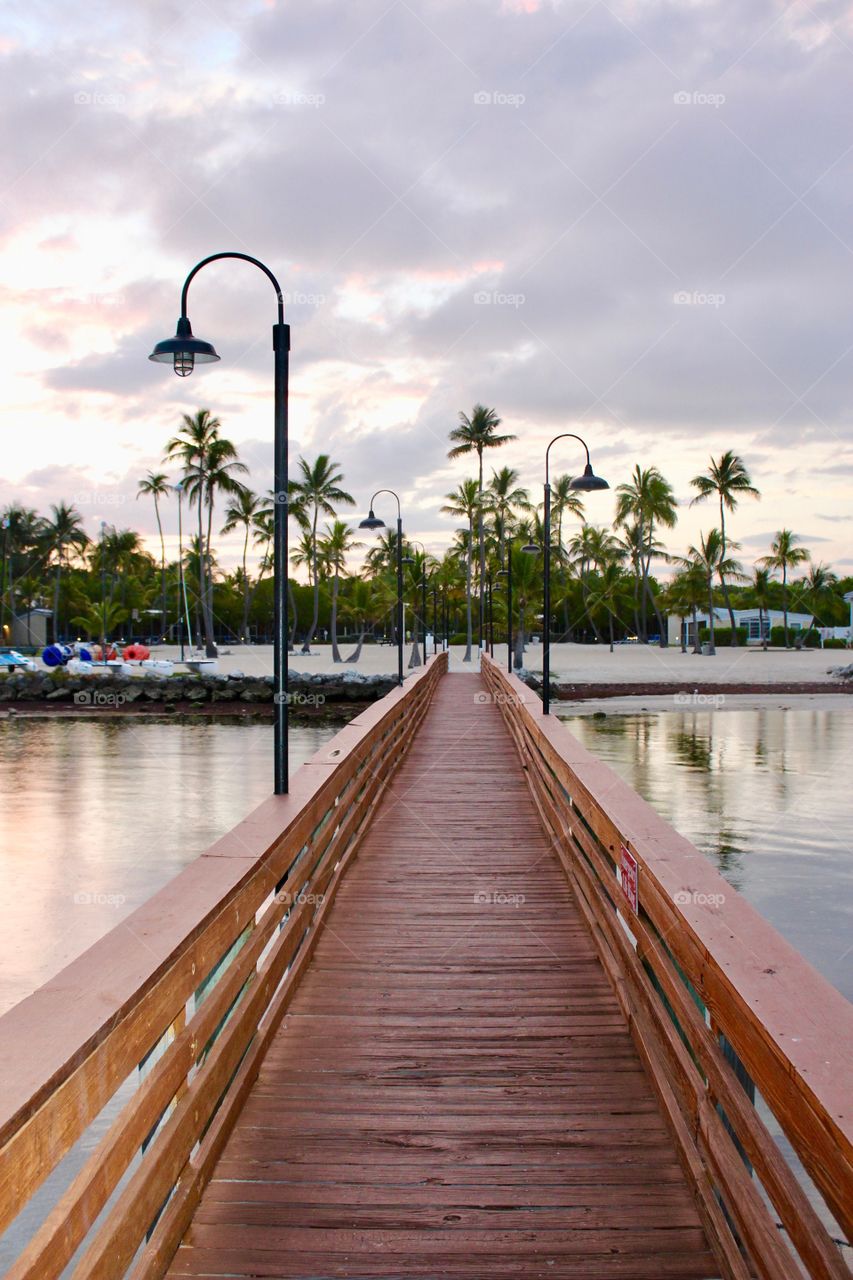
630 220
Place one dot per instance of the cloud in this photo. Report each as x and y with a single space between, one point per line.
619 220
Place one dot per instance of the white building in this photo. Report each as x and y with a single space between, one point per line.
748 618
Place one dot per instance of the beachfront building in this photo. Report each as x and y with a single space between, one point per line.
757 627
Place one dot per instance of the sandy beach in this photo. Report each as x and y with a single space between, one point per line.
574 663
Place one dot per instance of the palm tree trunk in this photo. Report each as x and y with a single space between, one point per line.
291 646
785 603
356 653
711 648
162 568
306 647
470 629
518 657
207 599
57 582
696 645
244 635
723 583
658 614
336 655
482 547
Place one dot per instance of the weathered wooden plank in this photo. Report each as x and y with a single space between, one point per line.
455 1030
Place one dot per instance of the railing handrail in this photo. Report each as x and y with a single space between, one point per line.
792 1030
178 937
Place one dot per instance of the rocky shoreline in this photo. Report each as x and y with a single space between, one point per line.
309 694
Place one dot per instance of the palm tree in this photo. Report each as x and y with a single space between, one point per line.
464 503
504 497
728 479
817 588
684 594
761 595
526 587
564 501
647 500
611 592
95 620
62 530
358 604
475 434
191 448
334 549
156 485
708 559
242 512
314 491
784 555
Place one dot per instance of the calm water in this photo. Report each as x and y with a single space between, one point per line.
768 795
96 816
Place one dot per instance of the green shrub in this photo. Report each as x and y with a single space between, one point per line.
811 639
795 634
722 635
835 642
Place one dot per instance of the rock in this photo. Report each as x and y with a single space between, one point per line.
842 673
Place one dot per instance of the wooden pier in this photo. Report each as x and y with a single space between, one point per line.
408 1022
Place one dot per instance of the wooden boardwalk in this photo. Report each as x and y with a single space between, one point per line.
454 1091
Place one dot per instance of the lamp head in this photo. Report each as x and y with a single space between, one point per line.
531 549
182 351
589 481
372 522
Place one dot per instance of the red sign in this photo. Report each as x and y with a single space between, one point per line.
629 877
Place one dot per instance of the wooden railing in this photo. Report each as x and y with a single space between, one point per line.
179 1004
718 1004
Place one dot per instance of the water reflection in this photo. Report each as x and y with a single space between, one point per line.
95 816
766 794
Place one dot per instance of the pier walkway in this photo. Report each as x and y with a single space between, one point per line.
460 1005
454 1090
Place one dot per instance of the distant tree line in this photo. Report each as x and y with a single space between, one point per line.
604 585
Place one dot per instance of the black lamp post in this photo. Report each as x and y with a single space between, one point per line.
589 482
374 522
183 352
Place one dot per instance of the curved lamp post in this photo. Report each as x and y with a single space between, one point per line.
183 353
375 523
589 482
